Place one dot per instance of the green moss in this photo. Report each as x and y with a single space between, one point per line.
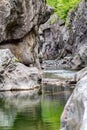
68 25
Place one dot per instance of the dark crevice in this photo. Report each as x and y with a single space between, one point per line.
15 41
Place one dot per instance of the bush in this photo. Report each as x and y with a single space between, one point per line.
62 7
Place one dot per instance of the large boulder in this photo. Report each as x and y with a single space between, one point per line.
16 76
19 22
74 116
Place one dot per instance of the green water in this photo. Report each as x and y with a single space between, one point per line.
28 111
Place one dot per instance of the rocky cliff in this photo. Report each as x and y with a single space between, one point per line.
74 116
75 32
19 23
49 34
70 43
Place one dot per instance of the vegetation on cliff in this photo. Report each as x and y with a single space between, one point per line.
62 7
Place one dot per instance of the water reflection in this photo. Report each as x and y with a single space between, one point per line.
29 111
59 74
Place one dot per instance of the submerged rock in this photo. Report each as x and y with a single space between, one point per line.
16 76
74 116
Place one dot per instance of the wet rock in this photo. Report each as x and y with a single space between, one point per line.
59 83
74 116
59 78
16 76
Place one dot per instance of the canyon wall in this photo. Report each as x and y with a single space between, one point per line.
19 23
66 42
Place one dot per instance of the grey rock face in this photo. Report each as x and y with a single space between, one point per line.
75 35
69 40
17 18
16 76
80 58
19 22
74 116
49 34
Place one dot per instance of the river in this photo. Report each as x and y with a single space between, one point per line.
25 110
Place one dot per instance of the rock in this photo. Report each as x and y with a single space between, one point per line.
79 60
23 50
81 74
18 18
63 63
74 35
59 82
49 35
67 39
74 116
16 76
19 23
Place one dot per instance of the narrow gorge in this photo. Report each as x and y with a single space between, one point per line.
43 66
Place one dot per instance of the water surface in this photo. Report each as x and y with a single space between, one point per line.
26 110
59 74
29 111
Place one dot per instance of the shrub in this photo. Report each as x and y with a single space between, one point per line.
62 7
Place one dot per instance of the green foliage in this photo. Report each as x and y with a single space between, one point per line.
62 7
